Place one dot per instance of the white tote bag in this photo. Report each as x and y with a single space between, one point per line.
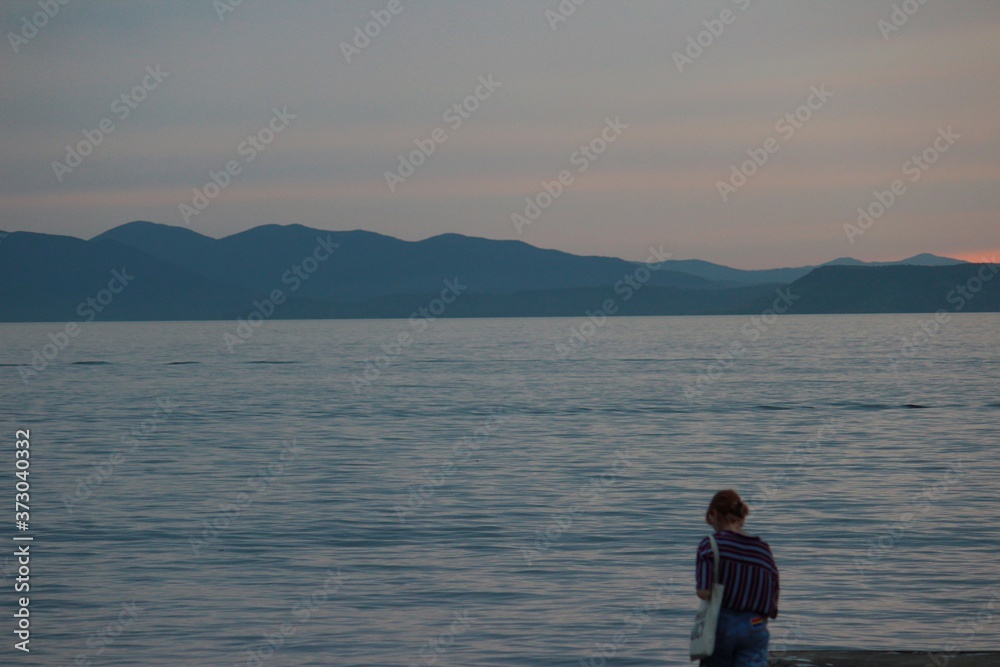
703 632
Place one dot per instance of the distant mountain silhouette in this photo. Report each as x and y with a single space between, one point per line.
181 274
48 278
898 289
923 259
370 265
729 276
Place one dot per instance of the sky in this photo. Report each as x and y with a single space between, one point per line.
743 132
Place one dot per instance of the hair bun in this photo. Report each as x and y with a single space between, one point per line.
727 504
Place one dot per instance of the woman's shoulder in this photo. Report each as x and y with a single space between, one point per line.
740 545
743 539
740 536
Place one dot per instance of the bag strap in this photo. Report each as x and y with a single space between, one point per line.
715 554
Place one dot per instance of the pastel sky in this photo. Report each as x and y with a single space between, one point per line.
892 95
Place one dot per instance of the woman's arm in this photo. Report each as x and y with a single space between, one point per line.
702 571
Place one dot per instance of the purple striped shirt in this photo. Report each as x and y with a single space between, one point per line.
746 569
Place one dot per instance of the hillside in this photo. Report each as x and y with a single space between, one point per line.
180 274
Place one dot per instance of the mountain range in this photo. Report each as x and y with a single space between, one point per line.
173 273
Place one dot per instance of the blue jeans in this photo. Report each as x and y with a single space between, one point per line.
740 640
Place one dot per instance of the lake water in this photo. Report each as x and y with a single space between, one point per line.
480 500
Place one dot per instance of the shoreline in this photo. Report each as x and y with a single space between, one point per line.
870 658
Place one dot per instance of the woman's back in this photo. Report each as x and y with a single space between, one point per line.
746 569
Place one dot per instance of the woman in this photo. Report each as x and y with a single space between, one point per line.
750 577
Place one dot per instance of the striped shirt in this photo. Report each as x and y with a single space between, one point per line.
746 569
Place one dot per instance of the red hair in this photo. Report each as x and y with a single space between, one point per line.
728 506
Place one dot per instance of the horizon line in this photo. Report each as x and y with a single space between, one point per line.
960 257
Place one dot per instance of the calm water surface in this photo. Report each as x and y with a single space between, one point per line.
481 501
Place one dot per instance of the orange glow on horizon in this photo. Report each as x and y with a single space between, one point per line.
977 256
